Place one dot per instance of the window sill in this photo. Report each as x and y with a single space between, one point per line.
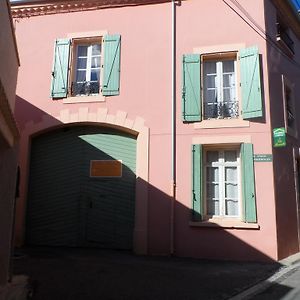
221 123
225 223
84 99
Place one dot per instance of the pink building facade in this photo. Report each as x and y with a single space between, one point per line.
9 138
147 125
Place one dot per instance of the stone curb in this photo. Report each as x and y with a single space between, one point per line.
289 265
291 260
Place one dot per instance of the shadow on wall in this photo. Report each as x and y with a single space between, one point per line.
70 181
282 66
26 112
82 188
99 213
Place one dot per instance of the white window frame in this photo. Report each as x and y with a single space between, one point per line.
77 38
89 60
221 166
215 50
219 79
73 74
218 59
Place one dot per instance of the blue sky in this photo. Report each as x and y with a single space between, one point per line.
296 3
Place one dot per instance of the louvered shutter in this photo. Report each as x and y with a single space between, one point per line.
191 95
111 72
250 83
248 184
59 85
197 203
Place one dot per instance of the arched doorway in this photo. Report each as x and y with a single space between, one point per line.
82 188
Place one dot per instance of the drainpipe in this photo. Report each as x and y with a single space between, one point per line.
173 130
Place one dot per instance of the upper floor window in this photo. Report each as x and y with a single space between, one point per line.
80 69
219 85
283 37
87 69
222 86
289 107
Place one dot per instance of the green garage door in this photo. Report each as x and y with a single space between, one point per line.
82 188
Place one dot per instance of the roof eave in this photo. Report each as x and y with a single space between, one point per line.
27 8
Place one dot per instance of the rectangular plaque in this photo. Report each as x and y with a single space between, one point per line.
279 137
106 168
262 157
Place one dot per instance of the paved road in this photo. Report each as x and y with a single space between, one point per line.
286 287
83 274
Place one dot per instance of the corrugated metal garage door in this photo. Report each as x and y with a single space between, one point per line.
67 204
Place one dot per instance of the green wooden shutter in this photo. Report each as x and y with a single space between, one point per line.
191 91
197 204
250 83
248 184
59 85
111 72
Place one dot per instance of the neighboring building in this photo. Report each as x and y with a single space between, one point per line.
9 137
106 163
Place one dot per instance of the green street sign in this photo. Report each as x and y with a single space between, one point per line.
262 157
279 137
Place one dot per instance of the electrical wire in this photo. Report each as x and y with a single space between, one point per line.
250 21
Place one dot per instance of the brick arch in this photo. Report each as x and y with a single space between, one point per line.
101 118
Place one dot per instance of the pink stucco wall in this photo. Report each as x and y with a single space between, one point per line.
145 92
226 27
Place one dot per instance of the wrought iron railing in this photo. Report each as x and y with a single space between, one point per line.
221 110
84 88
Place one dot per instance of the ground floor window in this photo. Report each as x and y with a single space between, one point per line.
222 182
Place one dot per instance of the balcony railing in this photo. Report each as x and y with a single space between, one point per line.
221 110
84 88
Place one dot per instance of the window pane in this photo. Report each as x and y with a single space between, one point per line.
213 207
231 174
212 191
210 96
228 66
212 174
232 208
228 80
96 49
96 62
211 110
226 95
230 156
210 85
210 81
231 185
82 50
81 76
231 191
210 67
81 63
95 75
212 156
